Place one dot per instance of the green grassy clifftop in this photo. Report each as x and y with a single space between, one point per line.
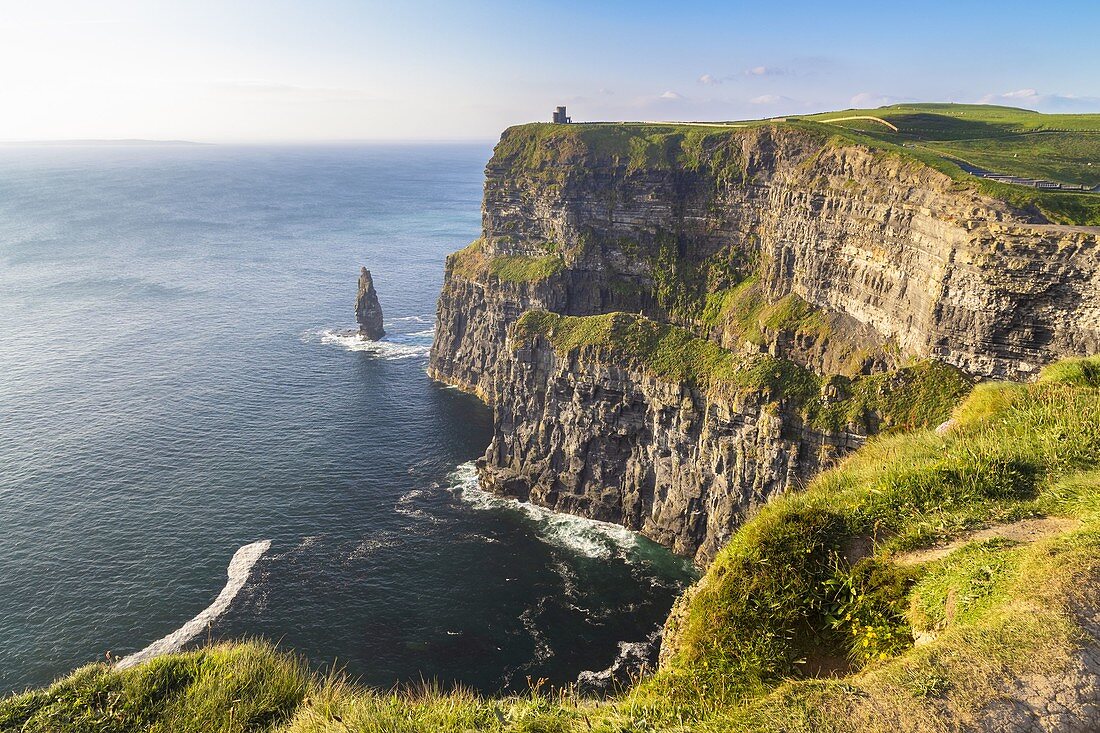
1002 140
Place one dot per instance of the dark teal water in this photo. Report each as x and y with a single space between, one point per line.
174 383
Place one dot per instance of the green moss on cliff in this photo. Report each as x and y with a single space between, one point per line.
472 263
689 290
1021 143
523 268
550 153
919 395
469 261
747 316
909 398
669 352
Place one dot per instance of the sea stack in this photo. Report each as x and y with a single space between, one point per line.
367 311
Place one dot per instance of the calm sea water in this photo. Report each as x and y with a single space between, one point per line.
176 381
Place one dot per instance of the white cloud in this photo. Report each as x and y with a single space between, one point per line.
873 99
1027 94
764 71
769 99
672 95
712 80
1034 99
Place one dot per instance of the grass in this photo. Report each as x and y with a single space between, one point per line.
522 268
787 600
772 595
231 688
472 263
1006 140
555 150
918 395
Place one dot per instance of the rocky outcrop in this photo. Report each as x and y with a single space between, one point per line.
590 432
368 313
768 239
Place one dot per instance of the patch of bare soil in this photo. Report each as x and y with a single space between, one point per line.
1026 530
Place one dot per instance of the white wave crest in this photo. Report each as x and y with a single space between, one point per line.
406 506
366 548
587 537
240 567
389 347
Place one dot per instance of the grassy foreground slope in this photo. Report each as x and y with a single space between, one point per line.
805 622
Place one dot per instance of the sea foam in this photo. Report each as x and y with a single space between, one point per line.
240 567
392 346
587 537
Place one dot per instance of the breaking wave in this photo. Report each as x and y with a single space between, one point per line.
393 346
240 567
587 537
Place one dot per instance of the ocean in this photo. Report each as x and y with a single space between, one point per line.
179 379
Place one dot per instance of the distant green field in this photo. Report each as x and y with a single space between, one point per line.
1002 140
1006 140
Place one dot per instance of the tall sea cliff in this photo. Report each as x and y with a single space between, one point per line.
674 324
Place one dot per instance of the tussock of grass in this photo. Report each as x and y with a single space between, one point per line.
522 268
1078 372
473 263
230 687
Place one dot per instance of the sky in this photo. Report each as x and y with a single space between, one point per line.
332 70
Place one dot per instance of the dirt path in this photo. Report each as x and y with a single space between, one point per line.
861 117
1026 530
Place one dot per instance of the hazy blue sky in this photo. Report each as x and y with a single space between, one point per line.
339 69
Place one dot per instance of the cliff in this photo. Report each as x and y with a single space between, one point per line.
836 258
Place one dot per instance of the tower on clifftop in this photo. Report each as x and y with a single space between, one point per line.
560 117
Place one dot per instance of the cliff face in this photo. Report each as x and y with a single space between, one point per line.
769 239
592 433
